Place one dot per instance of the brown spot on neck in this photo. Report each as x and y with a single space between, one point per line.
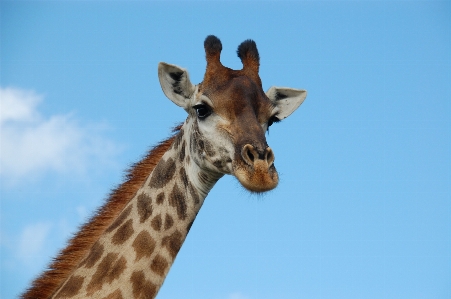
94 255
177 200
156 223
71 288
119 219
162 174
144 245
168 222
160 198
109 269
123 233
114 295
142 288
173 243
183 176
159 265
182 152
144 205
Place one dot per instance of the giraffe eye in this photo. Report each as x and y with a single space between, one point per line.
202 111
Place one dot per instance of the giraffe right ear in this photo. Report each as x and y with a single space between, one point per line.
176 84
286 99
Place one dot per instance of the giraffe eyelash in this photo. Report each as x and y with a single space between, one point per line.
273 119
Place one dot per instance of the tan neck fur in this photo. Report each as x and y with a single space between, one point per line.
132 257
79 246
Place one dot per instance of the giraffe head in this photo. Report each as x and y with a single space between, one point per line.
229 114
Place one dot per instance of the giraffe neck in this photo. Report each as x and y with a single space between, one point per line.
133 256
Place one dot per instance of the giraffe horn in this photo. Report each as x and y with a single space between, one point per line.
213 48
248 53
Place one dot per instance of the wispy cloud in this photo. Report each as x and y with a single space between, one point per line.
32 143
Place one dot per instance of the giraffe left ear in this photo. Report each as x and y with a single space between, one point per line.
286 99
176 84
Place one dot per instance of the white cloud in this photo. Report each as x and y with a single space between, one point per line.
33 144
18 105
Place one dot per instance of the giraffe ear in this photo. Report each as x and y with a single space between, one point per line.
286 99
176 84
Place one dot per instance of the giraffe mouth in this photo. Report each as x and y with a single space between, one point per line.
259 177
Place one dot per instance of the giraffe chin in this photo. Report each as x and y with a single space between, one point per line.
259 178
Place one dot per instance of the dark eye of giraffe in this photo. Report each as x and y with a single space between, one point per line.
202 111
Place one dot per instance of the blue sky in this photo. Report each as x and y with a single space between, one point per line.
363 208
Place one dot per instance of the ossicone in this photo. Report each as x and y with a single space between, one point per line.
213 48
248 53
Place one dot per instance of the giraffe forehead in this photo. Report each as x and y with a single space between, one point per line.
239 95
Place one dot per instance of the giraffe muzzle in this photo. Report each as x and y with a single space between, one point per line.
256 172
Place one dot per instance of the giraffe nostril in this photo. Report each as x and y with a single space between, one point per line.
249 154
269 156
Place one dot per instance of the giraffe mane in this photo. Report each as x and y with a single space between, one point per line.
78 246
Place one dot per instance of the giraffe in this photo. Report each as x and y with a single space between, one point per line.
127 248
